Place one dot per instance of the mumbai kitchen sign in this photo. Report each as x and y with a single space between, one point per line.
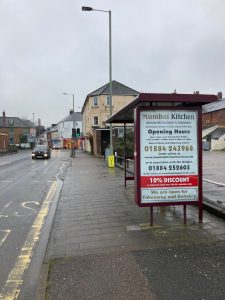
167 159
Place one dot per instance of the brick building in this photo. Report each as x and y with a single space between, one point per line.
213 123
16 130
4 139
214 113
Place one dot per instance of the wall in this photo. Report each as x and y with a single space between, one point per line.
214 118
86 145
65 129
102 111
17 132
4 139
218 144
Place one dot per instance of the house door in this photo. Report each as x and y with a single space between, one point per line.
105 141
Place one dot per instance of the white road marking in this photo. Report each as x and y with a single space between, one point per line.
4 208
24 205
5 181
5 162
5 235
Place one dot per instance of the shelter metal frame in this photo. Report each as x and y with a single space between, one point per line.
164 101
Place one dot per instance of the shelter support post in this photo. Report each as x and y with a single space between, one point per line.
125 151
185 214
151 216
200 212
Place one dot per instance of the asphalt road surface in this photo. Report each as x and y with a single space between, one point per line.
27 190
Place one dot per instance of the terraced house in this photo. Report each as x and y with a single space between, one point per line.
96 110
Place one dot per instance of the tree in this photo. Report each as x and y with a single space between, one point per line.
119 144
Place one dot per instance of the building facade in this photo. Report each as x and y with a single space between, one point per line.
19 131
95 112
214 113
213 123
70 130
4 139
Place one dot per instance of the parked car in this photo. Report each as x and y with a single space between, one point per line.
41 151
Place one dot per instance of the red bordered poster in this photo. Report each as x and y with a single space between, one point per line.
168 156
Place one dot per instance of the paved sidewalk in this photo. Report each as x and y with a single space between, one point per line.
102 247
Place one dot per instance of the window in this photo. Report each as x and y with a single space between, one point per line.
95 121
120 131
11 132
25 131
11 122
11 141
107 100
95 101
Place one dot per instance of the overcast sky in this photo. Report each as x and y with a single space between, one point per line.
48 47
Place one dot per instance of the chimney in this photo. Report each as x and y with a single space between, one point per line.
3 116
219 96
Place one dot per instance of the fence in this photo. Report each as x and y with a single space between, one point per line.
10 150
126 163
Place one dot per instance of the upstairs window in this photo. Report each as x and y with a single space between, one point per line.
95 101
95 121
107 100
11 131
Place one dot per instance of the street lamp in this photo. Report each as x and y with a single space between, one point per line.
70 95
87 8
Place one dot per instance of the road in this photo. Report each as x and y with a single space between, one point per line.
27 190
214 179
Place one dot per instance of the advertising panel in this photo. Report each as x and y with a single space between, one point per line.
168 156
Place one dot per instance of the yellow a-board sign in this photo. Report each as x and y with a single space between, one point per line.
111 162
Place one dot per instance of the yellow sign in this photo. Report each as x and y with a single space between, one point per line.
111 162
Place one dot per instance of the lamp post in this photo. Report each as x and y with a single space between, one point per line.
87 8
70 95
72 137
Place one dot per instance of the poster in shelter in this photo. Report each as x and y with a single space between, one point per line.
168 156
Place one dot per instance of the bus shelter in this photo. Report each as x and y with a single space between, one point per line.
168 148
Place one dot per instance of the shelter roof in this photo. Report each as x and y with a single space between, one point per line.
126 113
